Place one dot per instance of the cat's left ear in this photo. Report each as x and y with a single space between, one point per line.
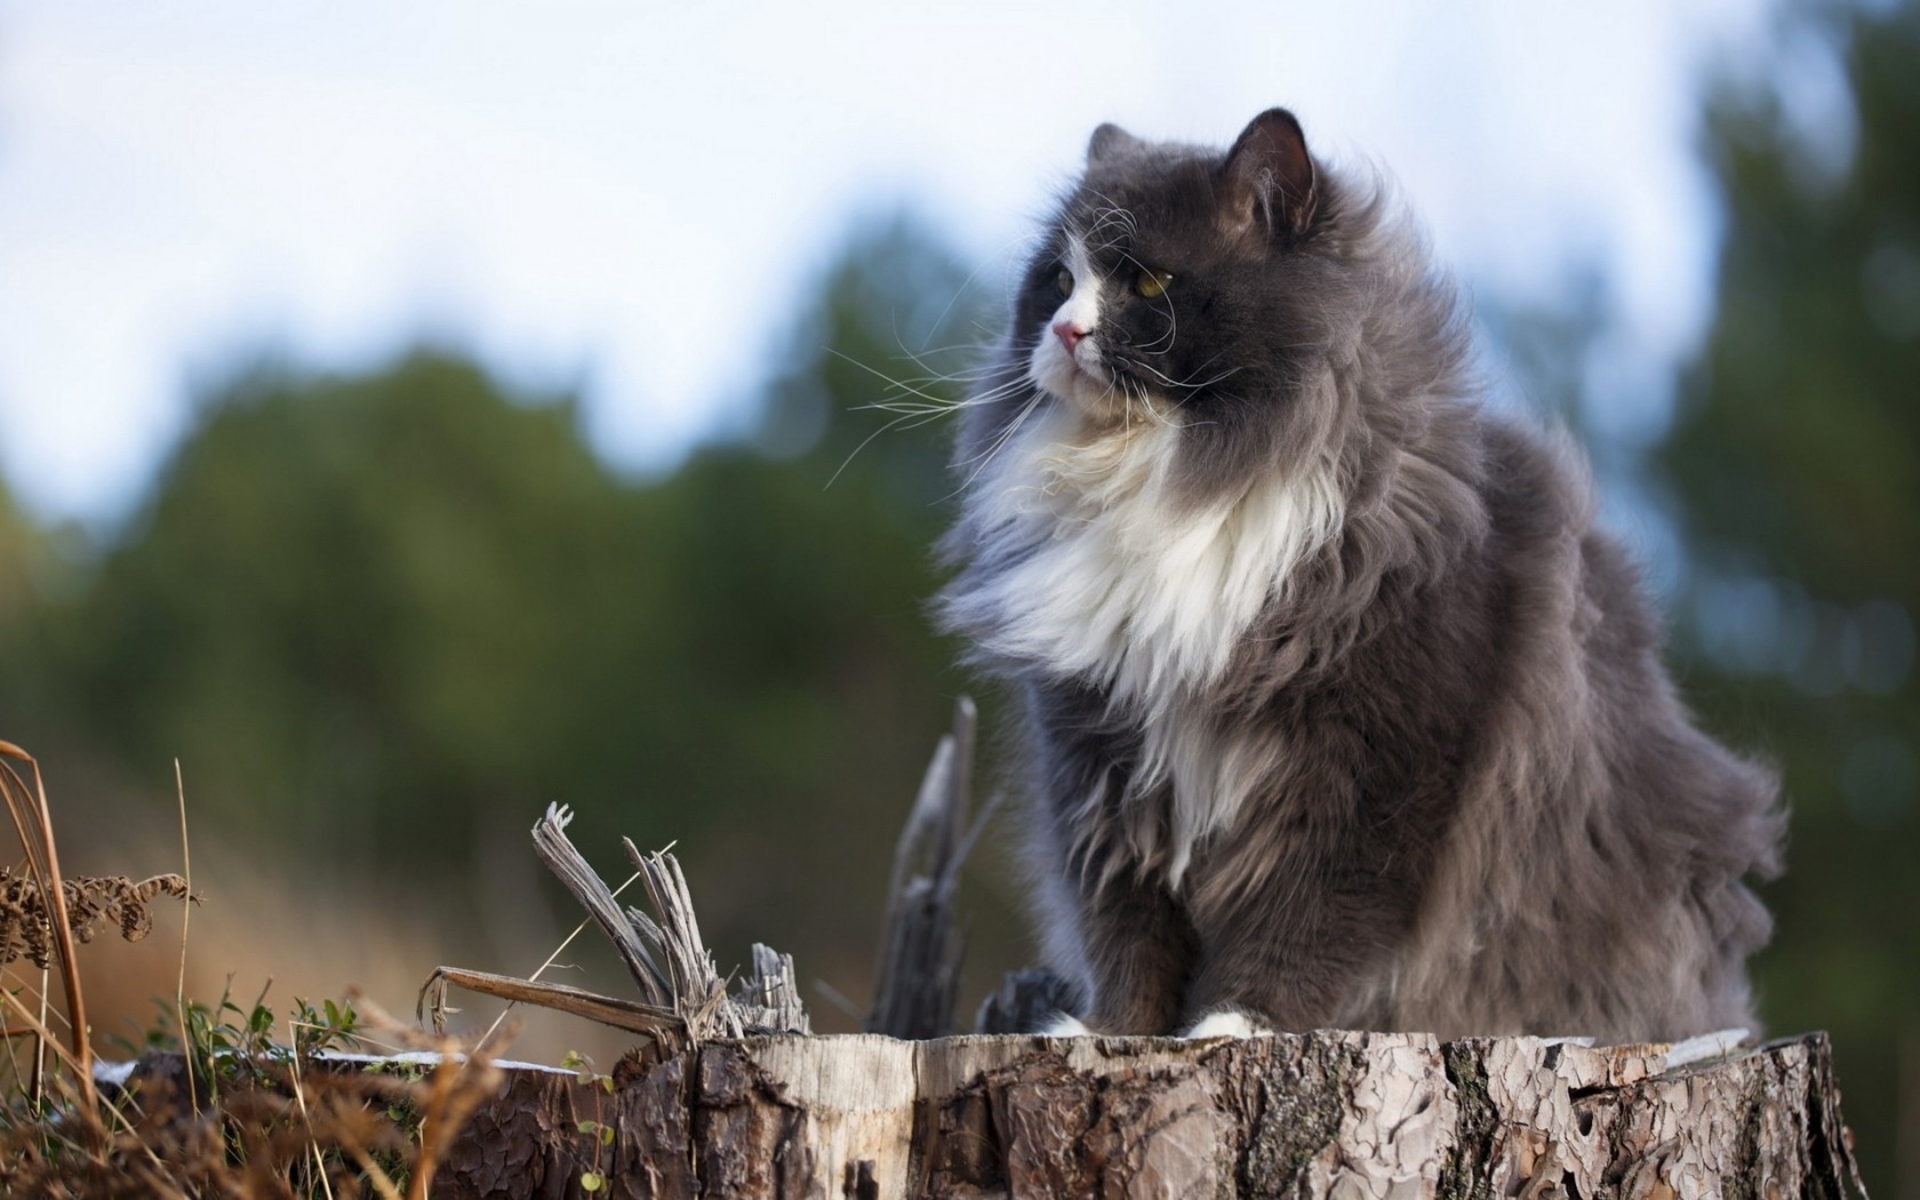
1268 176
1110 142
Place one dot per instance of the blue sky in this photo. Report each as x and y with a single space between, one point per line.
631 198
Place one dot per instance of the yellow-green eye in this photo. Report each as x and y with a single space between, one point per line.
1151 285
1064 281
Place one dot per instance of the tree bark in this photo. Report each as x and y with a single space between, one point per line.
1328 1114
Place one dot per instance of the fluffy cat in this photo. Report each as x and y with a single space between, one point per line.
1339 711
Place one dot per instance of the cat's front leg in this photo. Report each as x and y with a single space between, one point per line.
1296 960
1139 952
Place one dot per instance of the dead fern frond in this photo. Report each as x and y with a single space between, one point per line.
26 926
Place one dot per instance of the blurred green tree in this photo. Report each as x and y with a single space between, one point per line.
1796 458
22 546
385 619
353 608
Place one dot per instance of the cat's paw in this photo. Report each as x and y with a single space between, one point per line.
1065 1025
1226 1022
1717 1044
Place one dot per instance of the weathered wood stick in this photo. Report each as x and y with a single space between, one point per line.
551 843
631 1015
921 946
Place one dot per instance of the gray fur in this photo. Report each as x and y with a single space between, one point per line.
1465 796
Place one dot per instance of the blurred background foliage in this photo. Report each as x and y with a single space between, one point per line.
1793 468
382 620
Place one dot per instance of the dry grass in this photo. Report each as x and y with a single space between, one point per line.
265 1124
236 1112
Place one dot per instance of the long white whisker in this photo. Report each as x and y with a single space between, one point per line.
902 385
942 405
953 300
864 443
1000 442
1171 382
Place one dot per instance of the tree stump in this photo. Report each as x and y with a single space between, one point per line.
1326 1114
1353 1116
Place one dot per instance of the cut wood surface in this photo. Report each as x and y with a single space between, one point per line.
1345 1115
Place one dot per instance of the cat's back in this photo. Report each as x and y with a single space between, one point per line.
1597 814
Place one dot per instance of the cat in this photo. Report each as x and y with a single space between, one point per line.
1337 710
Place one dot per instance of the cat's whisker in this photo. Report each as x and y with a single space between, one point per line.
908 387
986 457
1189 385
919 357
921 383
1185 386
1117 212
924 407
940 406
1154 411
907 420
864 443
951 301
972 349
906 410
1126 405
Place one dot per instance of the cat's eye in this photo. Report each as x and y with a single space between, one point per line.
1151 285
1064 282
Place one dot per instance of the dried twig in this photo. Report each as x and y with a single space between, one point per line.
918 973
685 1000
694 984
770 998
555 849
632 1015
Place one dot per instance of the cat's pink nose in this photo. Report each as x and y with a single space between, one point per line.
1068 334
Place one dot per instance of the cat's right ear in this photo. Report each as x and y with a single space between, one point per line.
1268 177
1110 142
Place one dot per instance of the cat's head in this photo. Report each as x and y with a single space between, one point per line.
1153 282
1215 291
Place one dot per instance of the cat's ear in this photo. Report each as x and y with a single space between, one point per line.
1268 176
1110 142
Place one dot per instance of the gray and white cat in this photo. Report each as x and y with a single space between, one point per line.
1339 711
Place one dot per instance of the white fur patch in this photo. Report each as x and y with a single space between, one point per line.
1115 583
1227 1022
1718 1044
1212 777
1080 376
1119 585
1066 1026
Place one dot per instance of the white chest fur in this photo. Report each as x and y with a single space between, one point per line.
1109 579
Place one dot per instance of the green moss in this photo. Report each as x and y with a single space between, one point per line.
1302 1103
1463 1177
